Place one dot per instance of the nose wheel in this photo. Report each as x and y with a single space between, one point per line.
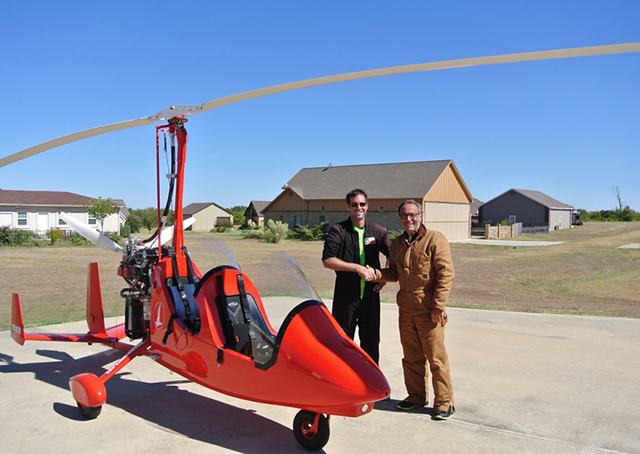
311 430
89 412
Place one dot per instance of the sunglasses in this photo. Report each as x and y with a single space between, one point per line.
356 205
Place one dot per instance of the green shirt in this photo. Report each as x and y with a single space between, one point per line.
360 233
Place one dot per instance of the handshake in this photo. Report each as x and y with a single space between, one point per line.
367 273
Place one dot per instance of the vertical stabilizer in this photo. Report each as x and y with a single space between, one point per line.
17 325
95 313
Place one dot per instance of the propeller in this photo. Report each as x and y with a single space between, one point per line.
92 234
167 234
107 243
187 110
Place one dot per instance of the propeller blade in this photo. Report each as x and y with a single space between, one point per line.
92 234
187 110
167 234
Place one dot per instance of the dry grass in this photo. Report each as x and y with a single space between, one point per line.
585 275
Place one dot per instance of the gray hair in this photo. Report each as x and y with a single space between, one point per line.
410 201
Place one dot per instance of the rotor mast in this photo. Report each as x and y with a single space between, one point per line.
176 130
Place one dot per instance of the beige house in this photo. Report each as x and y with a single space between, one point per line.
39 211
207 215
317 194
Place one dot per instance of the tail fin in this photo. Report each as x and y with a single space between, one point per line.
95 312
17 324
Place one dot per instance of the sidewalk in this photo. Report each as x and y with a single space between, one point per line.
525 383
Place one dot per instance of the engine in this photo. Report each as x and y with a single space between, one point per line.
136 269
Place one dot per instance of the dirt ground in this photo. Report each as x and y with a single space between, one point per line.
587 274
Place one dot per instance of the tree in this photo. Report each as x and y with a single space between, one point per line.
238 214
101 208
616 191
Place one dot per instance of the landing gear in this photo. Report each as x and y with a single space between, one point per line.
303 428
89 412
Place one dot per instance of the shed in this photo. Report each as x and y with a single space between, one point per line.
207 215
531 208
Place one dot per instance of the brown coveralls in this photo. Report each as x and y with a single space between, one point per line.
424 269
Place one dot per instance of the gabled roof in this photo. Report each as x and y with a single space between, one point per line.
537 197
194 208
259 205
384 181
475 205
47 198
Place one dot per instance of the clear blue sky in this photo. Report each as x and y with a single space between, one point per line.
569 128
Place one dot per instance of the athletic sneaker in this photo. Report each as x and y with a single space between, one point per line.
442 414
405 405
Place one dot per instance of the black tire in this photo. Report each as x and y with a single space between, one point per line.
89 412
301 429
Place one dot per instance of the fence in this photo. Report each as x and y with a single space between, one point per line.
533 230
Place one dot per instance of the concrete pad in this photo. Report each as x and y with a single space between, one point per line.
525 383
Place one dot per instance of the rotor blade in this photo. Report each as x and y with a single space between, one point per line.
187 110
447 64
92 234
167 234
74 138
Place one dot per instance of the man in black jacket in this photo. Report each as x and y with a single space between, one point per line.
352 249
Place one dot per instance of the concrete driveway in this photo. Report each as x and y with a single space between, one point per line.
524 383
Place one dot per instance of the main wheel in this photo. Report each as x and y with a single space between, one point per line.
89 412
302 424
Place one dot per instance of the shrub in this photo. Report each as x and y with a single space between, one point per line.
221 227
16 237
55 235
77 240
252 234
125 231
274 232
393 234
306 233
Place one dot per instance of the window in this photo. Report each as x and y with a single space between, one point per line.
61 221
22 218
381 209
297 220
512 219
322 209
92 219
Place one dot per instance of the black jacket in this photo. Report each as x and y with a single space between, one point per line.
342 242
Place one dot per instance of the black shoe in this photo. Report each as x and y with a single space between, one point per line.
444 415
405 405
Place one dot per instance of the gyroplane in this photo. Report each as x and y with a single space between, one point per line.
212 327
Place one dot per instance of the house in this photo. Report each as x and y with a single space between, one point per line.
475 211
254 212
315 195
531 208
39 211
207 215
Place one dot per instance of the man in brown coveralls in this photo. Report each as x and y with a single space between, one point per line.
420 260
